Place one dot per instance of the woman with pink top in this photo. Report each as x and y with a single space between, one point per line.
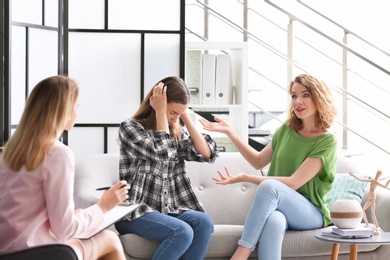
36 180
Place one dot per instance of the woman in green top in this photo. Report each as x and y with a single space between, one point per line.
302 157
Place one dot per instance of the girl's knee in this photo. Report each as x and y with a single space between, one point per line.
277 222
206 223
267 186
183 232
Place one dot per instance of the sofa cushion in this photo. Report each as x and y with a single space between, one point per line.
226 204
347 187
222 245
138 247
224 242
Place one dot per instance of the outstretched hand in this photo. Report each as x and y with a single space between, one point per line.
225 179
219 125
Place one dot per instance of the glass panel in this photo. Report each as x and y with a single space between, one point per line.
219 31
112 137
86 141
194 20
43 55
26 11
162 58
18 73
144 15
51 13
259 59
107 67
86 14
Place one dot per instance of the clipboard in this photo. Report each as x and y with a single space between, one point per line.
110 218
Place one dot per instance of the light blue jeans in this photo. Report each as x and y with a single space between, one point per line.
184 236
275 209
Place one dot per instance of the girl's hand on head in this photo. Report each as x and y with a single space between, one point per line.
114 195
158 100
219 125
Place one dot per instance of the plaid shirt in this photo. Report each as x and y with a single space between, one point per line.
154 166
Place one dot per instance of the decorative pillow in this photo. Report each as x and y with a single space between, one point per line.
347 187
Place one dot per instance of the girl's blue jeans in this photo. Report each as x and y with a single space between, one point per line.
276 208
184 236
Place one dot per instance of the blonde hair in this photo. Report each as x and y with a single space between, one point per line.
177 92
322 98
48 109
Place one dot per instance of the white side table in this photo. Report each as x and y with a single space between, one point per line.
383 238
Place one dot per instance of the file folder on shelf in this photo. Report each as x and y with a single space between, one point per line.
223 80
193 75
208 79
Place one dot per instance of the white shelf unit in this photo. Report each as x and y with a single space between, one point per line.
238 110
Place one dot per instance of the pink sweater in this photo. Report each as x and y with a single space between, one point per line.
37 207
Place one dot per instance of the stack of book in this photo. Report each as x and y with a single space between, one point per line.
358 232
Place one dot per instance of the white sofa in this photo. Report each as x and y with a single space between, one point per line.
228 206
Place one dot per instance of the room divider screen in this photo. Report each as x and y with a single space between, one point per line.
115 49
32 38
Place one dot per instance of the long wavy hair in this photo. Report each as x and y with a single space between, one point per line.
48 109
322 99
177 92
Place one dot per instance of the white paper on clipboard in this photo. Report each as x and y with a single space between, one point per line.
110 218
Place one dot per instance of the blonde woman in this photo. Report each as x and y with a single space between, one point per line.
36 180
302 156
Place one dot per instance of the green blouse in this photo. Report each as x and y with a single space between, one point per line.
290 150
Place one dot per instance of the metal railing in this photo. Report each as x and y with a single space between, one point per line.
347 95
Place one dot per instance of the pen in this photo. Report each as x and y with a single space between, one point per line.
103 188
106 188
